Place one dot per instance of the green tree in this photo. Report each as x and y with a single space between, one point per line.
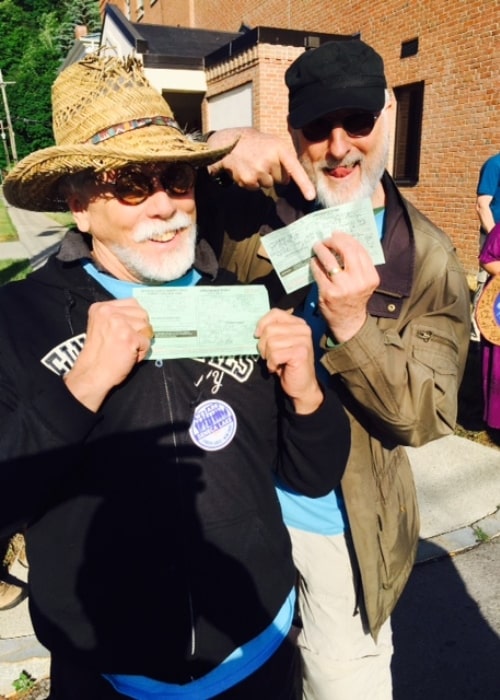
36 37
37 7
74 13
14 25
31 111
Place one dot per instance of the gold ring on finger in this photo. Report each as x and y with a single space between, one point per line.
148 332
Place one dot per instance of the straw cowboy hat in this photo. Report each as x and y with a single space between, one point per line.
105 115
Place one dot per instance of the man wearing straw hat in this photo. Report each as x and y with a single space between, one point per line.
159 563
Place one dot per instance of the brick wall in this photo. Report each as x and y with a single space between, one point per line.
264 66
459 47
180 13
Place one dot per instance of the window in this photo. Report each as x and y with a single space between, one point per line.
410 104
409 48
231 109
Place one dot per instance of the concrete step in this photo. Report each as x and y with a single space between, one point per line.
19 649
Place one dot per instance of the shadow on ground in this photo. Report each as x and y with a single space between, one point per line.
444 646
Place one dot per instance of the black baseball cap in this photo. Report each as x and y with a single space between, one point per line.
345 74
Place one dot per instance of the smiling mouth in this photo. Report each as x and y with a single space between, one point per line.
165 237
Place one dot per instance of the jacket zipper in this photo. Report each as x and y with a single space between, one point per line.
426 336
174 438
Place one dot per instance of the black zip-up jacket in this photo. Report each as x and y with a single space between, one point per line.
148 555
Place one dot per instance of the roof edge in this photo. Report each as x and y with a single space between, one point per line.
273 35
127 28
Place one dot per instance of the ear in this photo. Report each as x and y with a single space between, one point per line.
78 208
390 100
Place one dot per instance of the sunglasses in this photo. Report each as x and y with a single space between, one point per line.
134 184
355 124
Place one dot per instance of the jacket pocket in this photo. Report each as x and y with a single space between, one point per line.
436 350
438 353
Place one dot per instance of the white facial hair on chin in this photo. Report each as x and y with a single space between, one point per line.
165 268
331 193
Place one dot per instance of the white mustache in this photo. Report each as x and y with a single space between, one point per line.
147 230
331 164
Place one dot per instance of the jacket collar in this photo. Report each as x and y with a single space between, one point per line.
396 274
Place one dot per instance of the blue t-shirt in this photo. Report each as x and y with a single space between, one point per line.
326 515
489 183
122 289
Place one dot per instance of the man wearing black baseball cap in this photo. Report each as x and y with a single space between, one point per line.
392 338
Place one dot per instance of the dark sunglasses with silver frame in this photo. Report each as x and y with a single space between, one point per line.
356 124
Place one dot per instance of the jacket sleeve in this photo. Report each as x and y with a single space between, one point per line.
315 447
229 218
404 378
43 431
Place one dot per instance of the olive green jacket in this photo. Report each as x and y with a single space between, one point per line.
398 376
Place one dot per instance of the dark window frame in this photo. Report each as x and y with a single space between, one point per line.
408 135
409 48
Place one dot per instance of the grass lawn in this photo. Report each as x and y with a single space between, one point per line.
7 230
64 218
11 270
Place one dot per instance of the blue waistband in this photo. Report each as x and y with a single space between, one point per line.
240 664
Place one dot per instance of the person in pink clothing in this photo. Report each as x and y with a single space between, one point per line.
489 260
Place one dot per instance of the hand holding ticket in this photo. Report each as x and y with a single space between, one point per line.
290 248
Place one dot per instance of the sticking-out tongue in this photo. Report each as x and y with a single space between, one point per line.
340 172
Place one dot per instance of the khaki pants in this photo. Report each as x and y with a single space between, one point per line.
340 658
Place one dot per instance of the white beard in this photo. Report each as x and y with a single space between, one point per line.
331 192
165 268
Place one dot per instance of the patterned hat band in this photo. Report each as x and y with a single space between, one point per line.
122 128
